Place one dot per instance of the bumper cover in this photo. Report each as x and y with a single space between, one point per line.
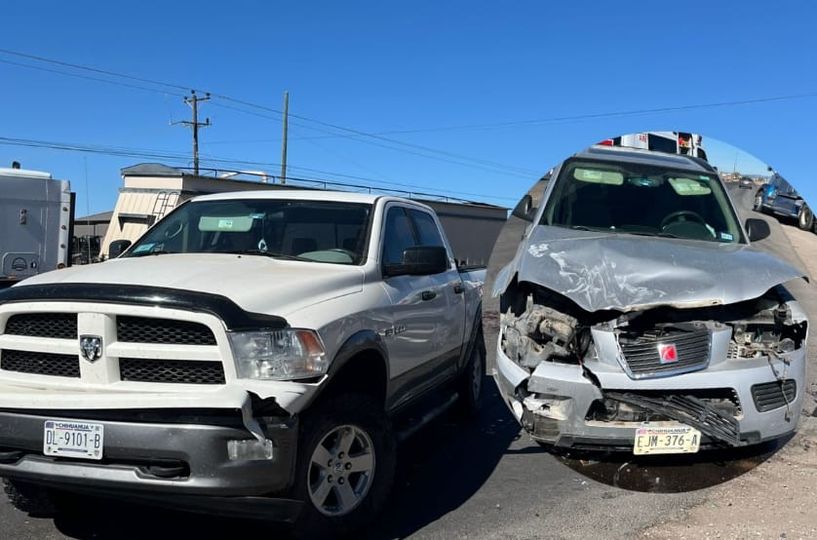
569 394
137 453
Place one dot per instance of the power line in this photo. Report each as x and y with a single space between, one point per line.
91 78
119 151
93 69
463 160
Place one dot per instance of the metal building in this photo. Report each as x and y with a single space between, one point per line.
151 190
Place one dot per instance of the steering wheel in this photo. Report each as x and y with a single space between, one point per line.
682 213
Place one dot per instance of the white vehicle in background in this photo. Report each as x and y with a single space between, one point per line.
36 214
670 142
254 353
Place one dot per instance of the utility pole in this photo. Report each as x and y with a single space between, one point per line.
193 100
284 140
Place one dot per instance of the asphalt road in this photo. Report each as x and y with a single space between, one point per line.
479 479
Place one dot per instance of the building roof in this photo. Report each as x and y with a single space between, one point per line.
151 169
101 217
314 195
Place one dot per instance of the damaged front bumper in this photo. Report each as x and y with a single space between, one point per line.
558 403
186 455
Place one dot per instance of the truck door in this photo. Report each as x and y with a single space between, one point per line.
448 289
787 199
417 338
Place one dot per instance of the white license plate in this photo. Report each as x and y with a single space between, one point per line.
72 438
666 439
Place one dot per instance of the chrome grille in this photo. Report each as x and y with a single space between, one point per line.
57 365
642 359
164 331
46 325
171 371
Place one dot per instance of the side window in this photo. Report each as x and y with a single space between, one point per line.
398 235
427 231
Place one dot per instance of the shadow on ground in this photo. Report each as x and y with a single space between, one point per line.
670 474
439 469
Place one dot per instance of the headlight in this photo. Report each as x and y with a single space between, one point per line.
278 354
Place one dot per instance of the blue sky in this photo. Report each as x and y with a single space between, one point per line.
447 72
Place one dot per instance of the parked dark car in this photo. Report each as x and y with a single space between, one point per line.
779 198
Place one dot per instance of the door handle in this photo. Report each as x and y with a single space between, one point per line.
428 295
458 288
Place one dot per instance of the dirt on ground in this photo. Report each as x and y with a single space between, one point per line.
777 499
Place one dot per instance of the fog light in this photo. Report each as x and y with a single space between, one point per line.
247 450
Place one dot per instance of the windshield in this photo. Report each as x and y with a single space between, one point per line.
320 231
641 199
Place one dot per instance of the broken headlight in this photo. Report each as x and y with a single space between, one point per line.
278 354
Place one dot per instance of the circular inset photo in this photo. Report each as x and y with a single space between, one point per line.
647 307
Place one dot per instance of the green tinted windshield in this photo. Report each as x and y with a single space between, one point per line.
641 199
320 231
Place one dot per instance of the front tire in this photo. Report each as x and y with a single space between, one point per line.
758 204
346 465
805 220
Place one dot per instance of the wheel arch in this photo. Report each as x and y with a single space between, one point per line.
361 366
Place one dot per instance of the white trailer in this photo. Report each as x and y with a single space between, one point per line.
36 216
671 142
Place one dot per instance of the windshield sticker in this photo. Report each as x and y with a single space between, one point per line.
598 176
689 186
144 248
727 236
225 223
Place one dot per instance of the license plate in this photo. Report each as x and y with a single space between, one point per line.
666 439
71 438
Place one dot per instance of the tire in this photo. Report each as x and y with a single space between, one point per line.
30 498
470 385
344 425
805 220
758 204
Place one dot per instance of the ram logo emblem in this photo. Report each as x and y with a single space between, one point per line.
90 347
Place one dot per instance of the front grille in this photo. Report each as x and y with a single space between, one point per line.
642 358
171 371
46 325
165 331
770 396
57 365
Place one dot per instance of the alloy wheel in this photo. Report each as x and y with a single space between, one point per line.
341 470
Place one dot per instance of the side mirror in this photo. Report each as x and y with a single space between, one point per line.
420 261
757 229
525 210
118 247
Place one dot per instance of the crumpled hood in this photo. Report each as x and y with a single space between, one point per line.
602 271
257 284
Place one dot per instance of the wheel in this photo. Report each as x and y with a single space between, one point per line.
805 220
469 387
758 204
346 465
30 498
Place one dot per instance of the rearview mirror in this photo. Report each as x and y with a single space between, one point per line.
118 247
419 261
757 229
525 210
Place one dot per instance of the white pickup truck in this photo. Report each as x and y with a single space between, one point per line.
253 353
